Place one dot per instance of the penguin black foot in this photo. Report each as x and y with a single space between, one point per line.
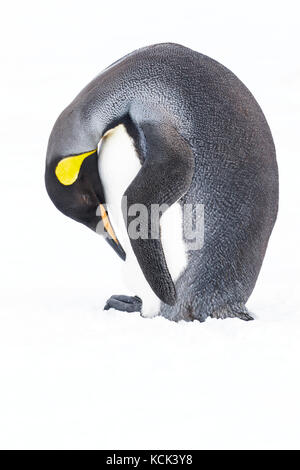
124 303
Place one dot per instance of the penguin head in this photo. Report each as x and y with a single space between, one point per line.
75 188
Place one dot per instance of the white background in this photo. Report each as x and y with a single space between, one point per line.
73 376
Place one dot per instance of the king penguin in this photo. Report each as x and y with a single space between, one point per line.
169 128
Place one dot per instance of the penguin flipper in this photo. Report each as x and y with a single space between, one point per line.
164 178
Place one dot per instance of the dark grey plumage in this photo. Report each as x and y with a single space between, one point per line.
219 130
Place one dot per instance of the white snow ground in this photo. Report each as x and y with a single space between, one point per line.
74 376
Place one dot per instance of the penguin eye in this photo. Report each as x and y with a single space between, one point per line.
86 199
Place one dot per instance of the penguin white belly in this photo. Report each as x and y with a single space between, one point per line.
171 224
118 164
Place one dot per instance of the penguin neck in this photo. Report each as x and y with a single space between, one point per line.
118 164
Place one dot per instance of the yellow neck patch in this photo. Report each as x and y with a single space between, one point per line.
68 168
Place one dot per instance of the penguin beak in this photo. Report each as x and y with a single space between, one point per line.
111 237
